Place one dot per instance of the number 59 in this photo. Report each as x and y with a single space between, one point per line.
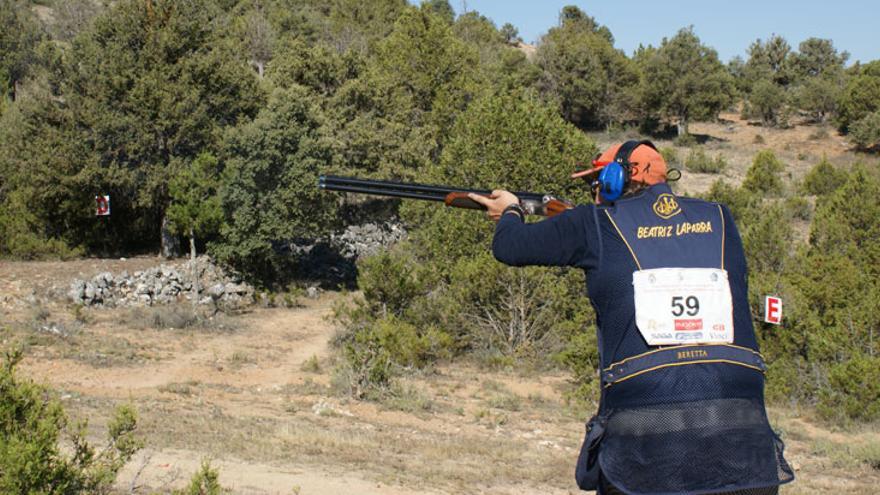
691 305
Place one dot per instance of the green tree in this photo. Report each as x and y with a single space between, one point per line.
444 281
582 71
269 183
767 102
154 88
817 57
824 178
46 204
510 34
395 117
819 95
318 67
837 331
818 72
769 60
684 80
195 206
860 97
865 133
19 35
440 8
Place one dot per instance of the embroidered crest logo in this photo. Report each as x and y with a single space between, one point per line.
666 206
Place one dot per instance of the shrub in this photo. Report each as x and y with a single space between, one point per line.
669 155
699 161
823 178
205 481
523 312
787 380
311 365
368 365
743 203
828 335
685 140
165 317
819 134
759 139
31 424
390 281
853 389
865 133
20 236
581 357
764 176
798 207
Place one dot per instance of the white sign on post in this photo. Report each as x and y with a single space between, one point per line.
103 206
773 310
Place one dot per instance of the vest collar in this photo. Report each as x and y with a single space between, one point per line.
651 191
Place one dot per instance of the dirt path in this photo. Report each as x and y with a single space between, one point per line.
169 466
233 369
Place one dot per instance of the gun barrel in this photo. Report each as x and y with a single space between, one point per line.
401 189
383 192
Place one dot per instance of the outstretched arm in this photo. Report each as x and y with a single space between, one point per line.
557 241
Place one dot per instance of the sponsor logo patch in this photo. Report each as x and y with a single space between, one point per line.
689 324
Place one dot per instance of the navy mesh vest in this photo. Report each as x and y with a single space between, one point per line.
679 419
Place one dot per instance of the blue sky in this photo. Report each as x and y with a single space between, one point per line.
727 26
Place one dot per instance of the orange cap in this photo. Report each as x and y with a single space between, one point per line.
648 165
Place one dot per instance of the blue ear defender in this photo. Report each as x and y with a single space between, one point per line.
614 177
612 180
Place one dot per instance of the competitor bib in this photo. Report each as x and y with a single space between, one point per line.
683 306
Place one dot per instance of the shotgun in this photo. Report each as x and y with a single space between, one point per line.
455 197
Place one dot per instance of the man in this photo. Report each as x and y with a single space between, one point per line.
682 406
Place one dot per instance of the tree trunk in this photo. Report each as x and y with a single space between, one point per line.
193 269
682 126
170 243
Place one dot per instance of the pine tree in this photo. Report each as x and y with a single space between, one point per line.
195 205
584 73
684 80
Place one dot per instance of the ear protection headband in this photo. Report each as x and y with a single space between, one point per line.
614 177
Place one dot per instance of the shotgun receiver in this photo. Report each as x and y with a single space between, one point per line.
533 203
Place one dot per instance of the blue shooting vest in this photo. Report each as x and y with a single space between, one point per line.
677 419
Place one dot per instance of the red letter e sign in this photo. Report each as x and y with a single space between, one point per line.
773 310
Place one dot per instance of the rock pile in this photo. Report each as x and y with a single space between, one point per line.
332 260
163 284
363 240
